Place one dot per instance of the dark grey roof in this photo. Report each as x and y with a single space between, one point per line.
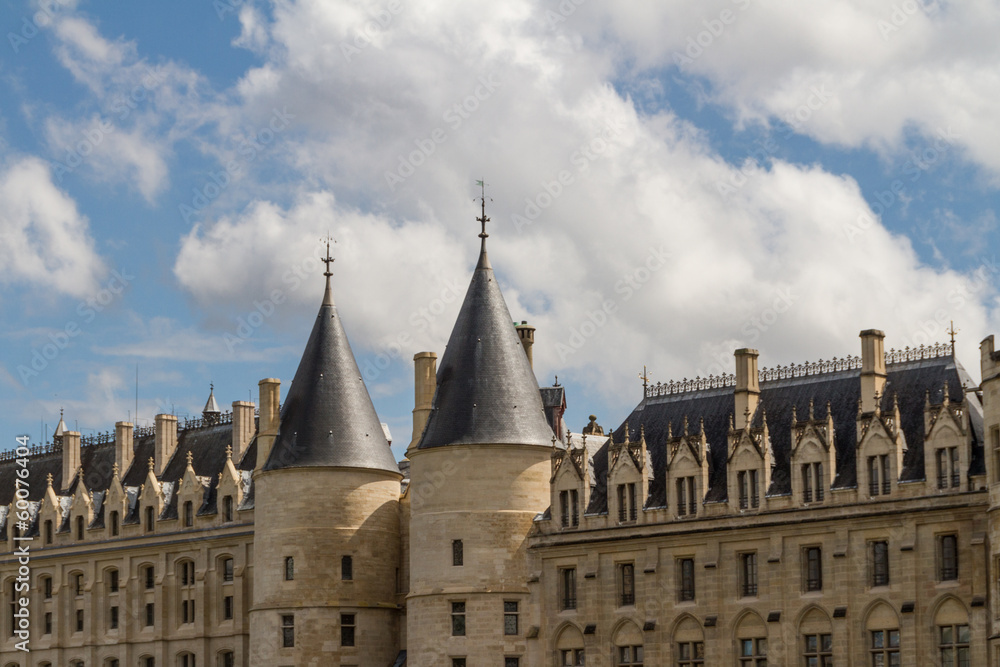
328 418
908 381
486 390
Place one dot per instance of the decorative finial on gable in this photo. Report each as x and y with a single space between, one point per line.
684 425
48 479
670 429
152 464
229 450
701 426
732 424
190 458
642 433
795 415
114 470
79 474
947 398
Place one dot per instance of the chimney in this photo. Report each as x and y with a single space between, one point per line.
747 391
166 442
242 428
872 367
424 384
70 457
990 359
270 399
124 446
526 333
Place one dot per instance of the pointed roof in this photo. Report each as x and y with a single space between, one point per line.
486 390
328 418
60 427
211 407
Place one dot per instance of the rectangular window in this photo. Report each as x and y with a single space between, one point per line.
457 619
948 557
113 618
630 656
113 581
807 494
627 503
884 648
227 509
880 563
287 630
995 444
632 503
150 614
942 468
686 497
188 514
347 625
48 622
149 519
749 495
510 617
691 654
347 568
457 553
48 532
227 569
564 508
289 568
114 524
812 482
956 474
150 575
626 576
953 645
511 662
814 569
574 497
47 587
78 584
818 480
754 492
568 580
228 659
458 662
79 620
686 566
227 608
752 652
818 650
187 611
748 574
886 477
873 477
572 657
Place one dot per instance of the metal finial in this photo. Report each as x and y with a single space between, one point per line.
229 451
190 457
557 382
483 219
645 380
952 331
329 258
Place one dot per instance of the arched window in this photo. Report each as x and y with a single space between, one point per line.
186 594
882 629
111 662
816 637
628 646
227 659
188 514
953 634
751 641
569 647
186 660
689 643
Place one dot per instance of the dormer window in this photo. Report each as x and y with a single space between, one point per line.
627 507
948 474
812 482
878 475
686 495
569 508
749 495
188 514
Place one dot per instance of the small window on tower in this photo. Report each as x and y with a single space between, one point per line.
457 553
347 568
289 568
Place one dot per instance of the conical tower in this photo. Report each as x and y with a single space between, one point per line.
327 533
479 476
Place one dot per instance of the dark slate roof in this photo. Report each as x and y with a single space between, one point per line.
328 418
486 391
908 381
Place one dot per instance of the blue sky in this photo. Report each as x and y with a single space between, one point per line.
752 175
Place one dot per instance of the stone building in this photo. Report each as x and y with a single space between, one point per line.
836 513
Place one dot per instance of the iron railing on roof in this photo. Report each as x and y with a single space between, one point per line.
793 370
34 450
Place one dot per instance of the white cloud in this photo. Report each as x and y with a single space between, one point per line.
44 239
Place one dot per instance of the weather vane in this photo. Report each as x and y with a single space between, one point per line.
483 219
952 331
645 380
329 258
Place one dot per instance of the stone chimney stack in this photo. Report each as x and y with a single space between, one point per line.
165 443
124 446
424 384
243 428
526 333
990 366
747 391
270 401
872 367
70 457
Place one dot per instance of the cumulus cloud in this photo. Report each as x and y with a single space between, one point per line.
610 229
44 239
